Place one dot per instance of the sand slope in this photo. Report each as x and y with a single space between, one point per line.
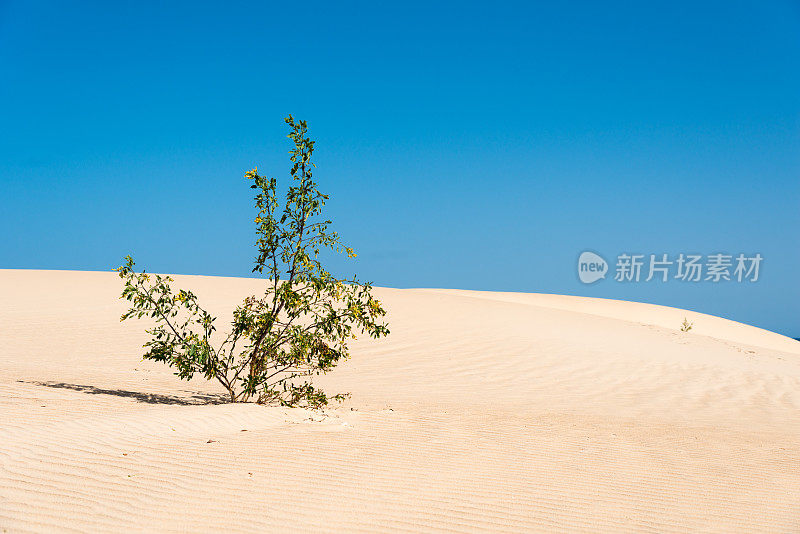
482 411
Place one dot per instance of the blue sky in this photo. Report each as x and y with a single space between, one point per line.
479 146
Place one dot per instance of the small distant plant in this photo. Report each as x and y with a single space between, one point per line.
298 329
686 325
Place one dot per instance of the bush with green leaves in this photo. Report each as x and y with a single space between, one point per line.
298 329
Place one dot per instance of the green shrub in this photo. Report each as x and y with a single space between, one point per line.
299 328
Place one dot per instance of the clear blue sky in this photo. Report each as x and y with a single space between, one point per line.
479 146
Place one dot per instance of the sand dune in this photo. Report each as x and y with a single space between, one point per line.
490 412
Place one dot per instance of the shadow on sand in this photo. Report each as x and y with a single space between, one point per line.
150 398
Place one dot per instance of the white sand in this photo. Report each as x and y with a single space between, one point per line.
481 412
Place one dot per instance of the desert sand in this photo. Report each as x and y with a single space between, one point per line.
481 412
